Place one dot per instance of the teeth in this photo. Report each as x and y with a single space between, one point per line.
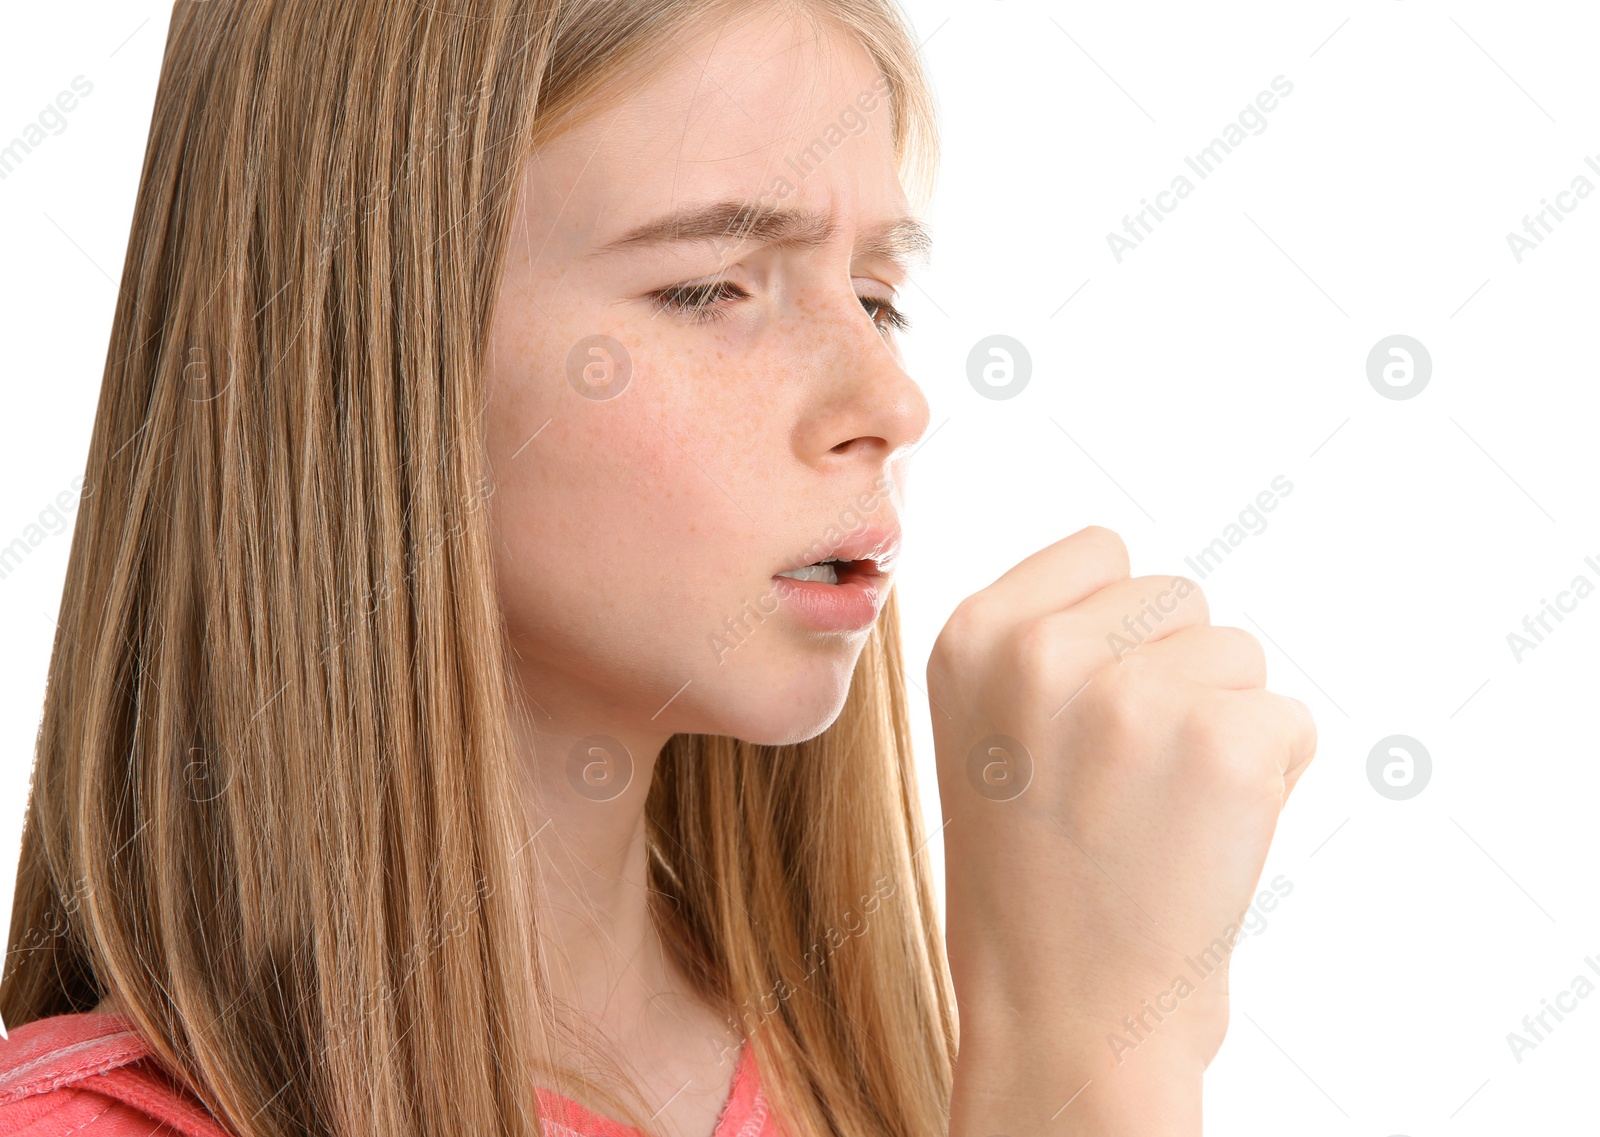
823 572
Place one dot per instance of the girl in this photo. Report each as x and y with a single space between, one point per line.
478 703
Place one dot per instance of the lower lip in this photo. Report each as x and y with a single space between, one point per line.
848 606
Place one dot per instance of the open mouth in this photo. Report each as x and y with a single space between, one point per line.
833 571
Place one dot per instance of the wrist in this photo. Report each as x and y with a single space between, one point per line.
1064 1084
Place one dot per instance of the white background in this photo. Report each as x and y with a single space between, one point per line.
1227 349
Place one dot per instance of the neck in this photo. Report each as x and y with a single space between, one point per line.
606 958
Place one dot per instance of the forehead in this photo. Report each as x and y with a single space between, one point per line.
763 107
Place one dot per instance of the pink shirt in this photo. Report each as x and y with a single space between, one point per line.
91 1072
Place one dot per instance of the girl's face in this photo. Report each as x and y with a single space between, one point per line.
656 466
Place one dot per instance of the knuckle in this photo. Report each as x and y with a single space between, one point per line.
1161 596
1132 675
974 616
1033 644
961 629
1306 723
1204 736
1245 647
1035 655
1188 591
1108 547
1120 695
963 644
1228 753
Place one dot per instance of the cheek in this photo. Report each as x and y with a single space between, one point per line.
612 523
591 494
633 524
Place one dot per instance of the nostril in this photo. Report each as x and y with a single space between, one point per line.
844 447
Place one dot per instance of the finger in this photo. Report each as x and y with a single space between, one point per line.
1216 656
1131 613
1288 723
1059 575
1268 724
1305 743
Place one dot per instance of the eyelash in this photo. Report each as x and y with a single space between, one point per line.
699 302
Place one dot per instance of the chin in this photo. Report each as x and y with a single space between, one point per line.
784 704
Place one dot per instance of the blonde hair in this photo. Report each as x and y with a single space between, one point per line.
271 807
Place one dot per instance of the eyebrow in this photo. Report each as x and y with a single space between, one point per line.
903 241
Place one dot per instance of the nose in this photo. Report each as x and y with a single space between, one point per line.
866 406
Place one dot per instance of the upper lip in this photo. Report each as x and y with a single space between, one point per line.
877 544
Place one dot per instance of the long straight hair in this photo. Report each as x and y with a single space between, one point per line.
272 806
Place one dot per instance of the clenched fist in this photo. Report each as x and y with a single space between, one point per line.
1112 770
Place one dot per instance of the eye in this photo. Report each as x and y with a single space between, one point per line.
704 303
700 303
892 316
